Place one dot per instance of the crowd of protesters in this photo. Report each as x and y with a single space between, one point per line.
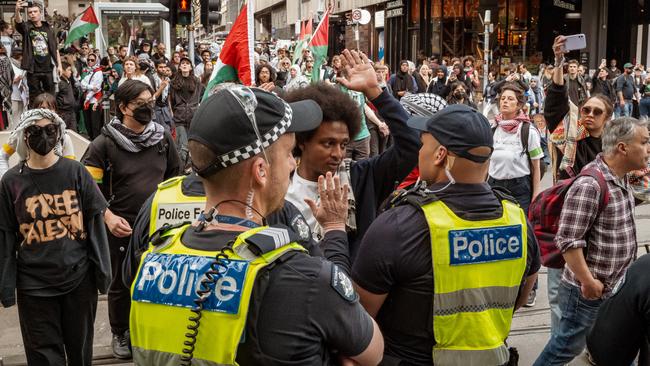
137 106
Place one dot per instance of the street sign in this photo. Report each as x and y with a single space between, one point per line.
365 17
356 15
392 13
394 4
132 12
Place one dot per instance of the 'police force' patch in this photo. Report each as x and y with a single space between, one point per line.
342 284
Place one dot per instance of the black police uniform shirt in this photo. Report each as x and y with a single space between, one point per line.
623 323
134 175
299 312
53 219
395 259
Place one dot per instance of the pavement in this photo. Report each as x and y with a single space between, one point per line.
529 333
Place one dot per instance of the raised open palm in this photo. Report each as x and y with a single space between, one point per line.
359 74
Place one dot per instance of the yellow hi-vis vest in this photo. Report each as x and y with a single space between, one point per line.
477 270
171 206
164 291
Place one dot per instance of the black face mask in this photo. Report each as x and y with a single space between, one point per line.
143 114
42 142
459 95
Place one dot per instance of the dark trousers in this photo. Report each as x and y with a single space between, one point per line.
59 327
119 296
93 121
520 189
70 119
39 83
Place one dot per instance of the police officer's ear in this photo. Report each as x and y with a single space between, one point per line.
440 156
259 170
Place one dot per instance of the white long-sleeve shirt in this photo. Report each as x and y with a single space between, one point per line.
91 84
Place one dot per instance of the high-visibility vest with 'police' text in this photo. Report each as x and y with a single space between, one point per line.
165 289
477 269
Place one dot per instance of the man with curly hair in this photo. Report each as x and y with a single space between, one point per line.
323 150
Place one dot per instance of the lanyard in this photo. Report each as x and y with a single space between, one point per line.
232 220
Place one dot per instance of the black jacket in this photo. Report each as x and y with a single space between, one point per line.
24 28
603 87
374 179
65 99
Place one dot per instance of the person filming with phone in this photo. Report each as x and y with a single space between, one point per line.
40 48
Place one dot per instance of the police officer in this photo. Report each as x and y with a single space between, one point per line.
261 298
443 271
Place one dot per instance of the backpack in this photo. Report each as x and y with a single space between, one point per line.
544 214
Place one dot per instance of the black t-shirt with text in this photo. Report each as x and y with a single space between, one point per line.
296 316
395 259
48 209
42 57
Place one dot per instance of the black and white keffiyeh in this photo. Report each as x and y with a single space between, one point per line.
423 104
29 118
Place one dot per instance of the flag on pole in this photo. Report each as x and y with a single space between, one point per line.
318 46
236 59
305 36
85 23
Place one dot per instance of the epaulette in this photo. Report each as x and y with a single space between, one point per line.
157 238
270 239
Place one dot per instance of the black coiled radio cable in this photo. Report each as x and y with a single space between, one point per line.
218 269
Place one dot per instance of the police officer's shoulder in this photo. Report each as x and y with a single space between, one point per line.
161 236
416 196
338 281
271 238
503 194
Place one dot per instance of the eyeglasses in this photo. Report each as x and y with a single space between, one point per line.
139 103
50 129
586 110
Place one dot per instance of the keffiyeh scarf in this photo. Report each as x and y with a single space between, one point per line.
511 125
132 141
29 118
423 104
566 136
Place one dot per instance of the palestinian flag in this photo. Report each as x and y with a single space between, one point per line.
236 60
318 46
305 37
85 23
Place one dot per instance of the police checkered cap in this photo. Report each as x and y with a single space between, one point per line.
222 124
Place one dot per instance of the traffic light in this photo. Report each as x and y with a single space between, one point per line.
184 15
170 14
210 13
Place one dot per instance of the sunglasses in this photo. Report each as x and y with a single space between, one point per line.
91 59
50 129
588 110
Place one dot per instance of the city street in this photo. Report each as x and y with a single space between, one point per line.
530 328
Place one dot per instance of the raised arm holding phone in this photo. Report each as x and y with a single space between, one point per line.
40 53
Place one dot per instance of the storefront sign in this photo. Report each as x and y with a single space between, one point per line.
394 4
132 12
564 5
392 13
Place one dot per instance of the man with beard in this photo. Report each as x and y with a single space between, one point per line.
185 95
128 161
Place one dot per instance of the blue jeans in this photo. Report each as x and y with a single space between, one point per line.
644 107
625 111
578 317
554 278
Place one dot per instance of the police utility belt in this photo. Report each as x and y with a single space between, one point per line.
477 268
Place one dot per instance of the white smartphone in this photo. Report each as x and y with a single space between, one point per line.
575 42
